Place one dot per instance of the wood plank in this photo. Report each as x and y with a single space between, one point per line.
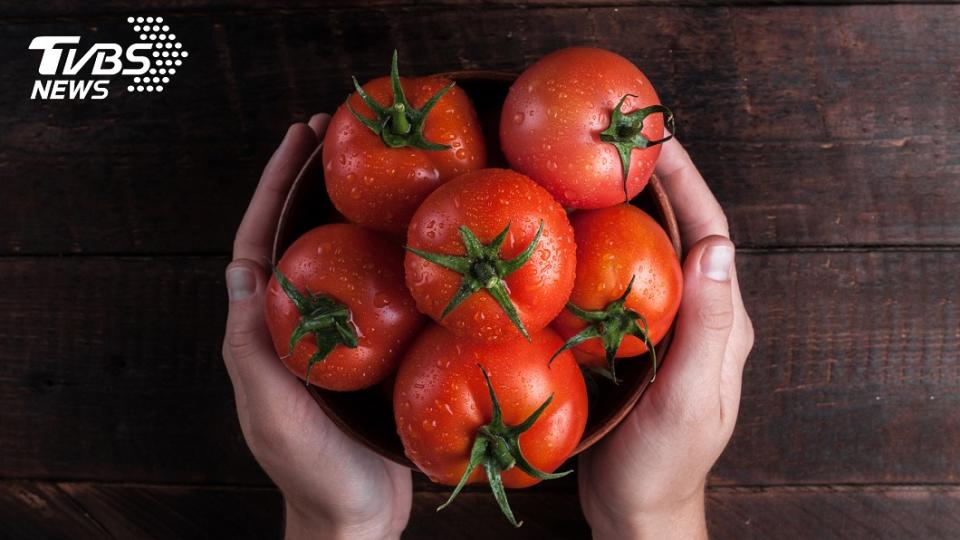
854 378
841 513
152 512
808 139
855 375
181 512
63 8
43 510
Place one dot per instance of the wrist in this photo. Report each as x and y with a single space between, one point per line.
684 519
313 525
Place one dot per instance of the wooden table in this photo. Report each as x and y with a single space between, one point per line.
831 135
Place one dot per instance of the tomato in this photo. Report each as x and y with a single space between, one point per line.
490 255
579 122
381 160
628 286
338 302
444 408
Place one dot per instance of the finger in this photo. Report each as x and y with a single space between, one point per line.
255 234
738 348
318 123
704 322
248 351
698 212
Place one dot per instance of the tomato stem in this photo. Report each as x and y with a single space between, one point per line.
483 268
611 325
400 125
625 133
497 448
328 320
405 122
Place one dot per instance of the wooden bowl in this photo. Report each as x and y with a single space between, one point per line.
367 415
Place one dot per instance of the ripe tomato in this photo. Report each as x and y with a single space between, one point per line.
337 308
446 402
628 285
490 255
580 121
393 142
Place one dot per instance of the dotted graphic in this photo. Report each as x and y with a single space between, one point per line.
165 53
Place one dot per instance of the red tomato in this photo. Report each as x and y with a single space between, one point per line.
621 247
378 171
345 294
563 124
490 255
443 409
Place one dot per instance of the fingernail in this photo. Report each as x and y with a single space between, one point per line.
241 283
716 261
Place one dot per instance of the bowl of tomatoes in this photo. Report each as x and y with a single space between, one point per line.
476 272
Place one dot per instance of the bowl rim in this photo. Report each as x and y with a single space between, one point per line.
666 219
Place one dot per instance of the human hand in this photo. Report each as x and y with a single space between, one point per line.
647 478
333 487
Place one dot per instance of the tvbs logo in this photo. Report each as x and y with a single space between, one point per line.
69 71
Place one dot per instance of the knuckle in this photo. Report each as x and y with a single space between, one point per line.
692 415
715 316
241 342
750 336
265 436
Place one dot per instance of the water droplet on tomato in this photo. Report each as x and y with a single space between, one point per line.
354 192
323 249
461 154
518 118
381 300
428 425
552 165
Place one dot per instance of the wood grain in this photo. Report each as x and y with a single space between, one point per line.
804 139
93 511
854 378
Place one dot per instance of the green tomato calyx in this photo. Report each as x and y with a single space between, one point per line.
611 325
625 133
399 124
497 448
328 320
483 268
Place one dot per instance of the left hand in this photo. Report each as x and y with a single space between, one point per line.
333 487
647 478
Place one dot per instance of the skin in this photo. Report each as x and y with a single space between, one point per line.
647 478
551 123
613 245
381 187
440 385
486 201
362 271
644 480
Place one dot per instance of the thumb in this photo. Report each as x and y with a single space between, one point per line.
246 338
705 317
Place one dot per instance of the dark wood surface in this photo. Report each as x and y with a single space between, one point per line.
830 134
